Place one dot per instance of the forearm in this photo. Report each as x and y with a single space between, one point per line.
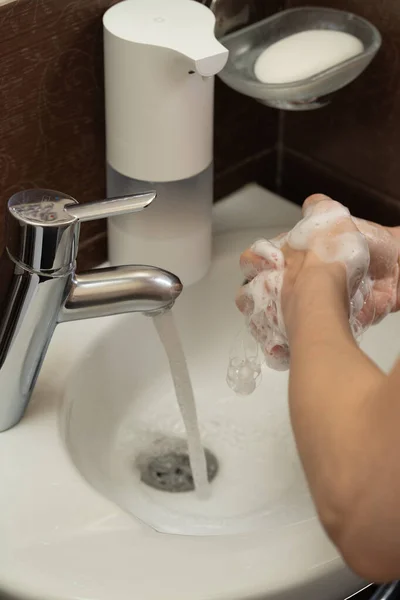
330 379
333 386
345 412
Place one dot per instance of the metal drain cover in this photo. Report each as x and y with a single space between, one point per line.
171 471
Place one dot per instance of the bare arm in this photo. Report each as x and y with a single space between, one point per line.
346 417
345 412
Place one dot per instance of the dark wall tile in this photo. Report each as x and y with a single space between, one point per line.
52 108
260 168
243 128
51 99
52 111
358 135
304 176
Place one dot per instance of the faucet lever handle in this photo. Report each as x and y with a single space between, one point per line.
110 207
43 226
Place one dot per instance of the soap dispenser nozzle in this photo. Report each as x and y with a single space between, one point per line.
207 55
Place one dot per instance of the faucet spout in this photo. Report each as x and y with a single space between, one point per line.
39 287
117 290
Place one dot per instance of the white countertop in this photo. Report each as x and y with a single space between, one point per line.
254 205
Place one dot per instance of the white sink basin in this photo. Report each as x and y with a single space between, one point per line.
70 489
121 400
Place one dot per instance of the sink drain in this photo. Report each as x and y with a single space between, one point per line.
171 471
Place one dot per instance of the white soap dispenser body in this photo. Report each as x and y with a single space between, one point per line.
160 60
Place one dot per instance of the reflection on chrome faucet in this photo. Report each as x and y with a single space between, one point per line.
39 287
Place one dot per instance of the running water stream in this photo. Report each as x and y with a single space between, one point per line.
168 333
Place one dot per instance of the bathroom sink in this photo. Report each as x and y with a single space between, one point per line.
120 407
77 521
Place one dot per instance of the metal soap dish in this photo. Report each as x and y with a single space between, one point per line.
247 44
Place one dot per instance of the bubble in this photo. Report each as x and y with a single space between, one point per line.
244 367
243 377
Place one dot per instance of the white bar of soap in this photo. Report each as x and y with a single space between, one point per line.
305 54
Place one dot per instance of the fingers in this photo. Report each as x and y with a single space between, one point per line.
262 256
312 200
244 301
259 295
252 264
273 346
394 231
383 248
319 204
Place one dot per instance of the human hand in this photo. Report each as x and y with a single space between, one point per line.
362 257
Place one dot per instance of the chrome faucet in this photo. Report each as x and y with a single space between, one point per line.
39 287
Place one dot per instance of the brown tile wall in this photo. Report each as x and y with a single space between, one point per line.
52 112
52 117
352 147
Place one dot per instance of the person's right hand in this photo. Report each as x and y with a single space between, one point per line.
384 248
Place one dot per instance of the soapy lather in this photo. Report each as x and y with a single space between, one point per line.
332 234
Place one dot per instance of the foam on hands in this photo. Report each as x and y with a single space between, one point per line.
263 293
348 246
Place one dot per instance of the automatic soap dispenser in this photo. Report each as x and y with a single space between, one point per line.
160 60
